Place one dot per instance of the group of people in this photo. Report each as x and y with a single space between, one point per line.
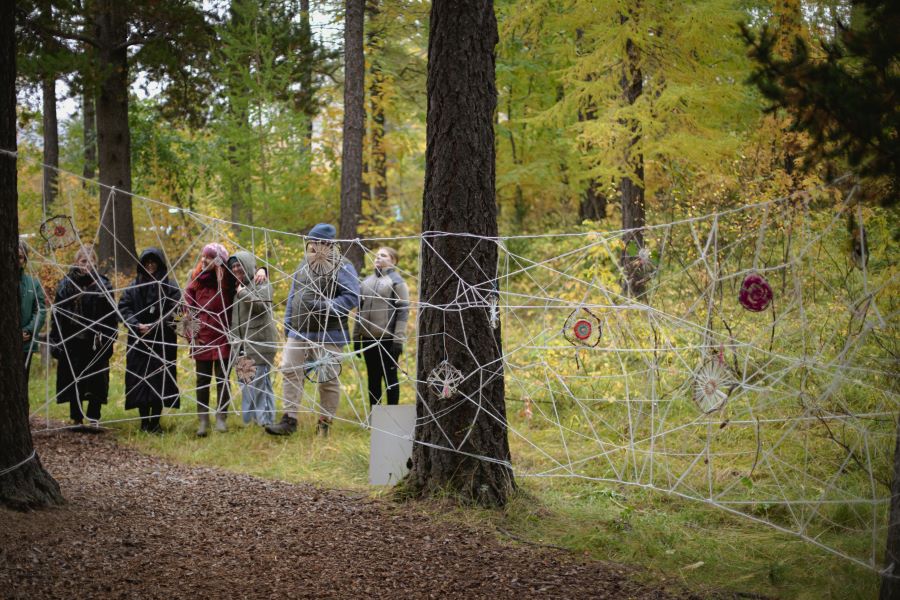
226 313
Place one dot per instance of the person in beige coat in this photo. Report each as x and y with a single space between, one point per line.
381 325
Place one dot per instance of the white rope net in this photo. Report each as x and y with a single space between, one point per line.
757 372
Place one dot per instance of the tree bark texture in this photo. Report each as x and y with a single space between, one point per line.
51 142
461 442
377 150
28 485
890 579
306 77
116 247
354 129
89 119
631 186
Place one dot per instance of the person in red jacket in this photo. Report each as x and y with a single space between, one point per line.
209 295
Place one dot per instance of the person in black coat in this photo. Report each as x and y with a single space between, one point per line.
148 307
83 331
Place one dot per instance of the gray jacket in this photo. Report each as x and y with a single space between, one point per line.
383 307
252 321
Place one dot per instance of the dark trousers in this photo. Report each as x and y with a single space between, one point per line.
205 371
381 364
150 412
77 414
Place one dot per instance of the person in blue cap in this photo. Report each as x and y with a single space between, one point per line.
324 290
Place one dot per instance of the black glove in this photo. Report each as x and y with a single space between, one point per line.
357 345
56 351
395 349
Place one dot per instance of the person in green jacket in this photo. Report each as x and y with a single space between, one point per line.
32 312
253 339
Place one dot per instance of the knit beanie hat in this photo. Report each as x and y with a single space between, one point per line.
215 250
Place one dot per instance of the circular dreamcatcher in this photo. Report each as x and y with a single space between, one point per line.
582 328
323 258
324 366
245 367
187 324
59 232
756 293
445 379
712 384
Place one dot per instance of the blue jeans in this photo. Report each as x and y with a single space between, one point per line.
258 398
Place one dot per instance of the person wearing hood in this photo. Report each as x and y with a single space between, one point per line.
83 329
32 310
253 339
148 307
381 325
324 290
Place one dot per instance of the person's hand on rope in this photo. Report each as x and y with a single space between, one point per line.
262 276
26 336
143 328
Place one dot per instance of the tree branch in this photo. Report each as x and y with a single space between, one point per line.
65 35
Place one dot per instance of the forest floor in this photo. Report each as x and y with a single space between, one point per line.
138 526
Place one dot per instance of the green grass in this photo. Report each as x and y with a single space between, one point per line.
626 412
687 543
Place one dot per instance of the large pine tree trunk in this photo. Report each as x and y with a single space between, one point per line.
27 485
89 138
116 247
51 141
631 187
377 149
354 128
461 442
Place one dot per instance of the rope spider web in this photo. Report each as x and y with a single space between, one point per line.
753 374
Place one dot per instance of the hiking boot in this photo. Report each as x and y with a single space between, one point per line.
221 427
287 426
204 423
323 426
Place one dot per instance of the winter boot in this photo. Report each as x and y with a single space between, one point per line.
221 427
287 426
204 424
153 425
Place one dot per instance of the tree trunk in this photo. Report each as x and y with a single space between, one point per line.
116 248
24 484
89 118
51 142
631 187
307 76
461 440
354 129
377 150
592 205
788 15
890 579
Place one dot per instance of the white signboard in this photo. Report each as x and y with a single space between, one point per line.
391 446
